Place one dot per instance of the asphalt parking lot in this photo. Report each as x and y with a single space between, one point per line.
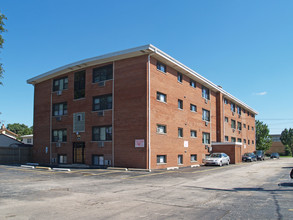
257 190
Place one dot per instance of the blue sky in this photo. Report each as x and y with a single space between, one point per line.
245 46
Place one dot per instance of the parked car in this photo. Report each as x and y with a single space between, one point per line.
217 159
291 174
275 155
260 155
249 157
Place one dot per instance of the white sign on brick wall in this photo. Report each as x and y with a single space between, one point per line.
139 142
185 143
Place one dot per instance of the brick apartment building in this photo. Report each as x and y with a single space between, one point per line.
135 108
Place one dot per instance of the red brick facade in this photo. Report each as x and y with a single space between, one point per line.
136 114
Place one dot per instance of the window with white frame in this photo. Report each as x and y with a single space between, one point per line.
239 126
59 135
205 115
103 102
239 140
161 159
180 132
205 138
193 133
161 97
102 133
62 158
180 159
59 109
192 83
161 129
193 157
232 107
205 93
180 104
226 101
233 124
193 108
226 119
238 110
60 84
226 138
233 139
179 77
161 67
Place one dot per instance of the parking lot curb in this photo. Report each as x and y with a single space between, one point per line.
61 169
137 169
27 166
172 168
43 168
117 168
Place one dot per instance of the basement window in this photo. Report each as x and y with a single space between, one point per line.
161 159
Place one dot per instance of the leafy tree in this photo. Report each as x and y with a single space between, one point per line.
2 29
20 129
263 139
287 140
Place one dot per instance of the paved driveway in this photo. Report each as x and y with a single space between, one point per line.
257 190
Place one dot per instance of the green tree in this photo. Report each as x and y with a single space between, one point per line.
2 29
263 139
287 140
20 129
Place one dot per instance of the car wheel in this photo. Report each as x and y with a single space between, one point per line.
228 162
220 164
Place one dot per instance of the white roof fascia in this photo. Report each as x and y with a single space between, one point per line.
137 51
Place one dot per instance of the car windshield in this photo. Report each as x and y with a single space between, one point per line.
247 154
216 155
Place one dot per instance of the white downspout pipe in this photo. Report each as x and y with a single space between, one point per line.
149 111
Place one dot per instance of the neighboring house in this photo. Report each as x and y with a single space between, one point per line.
13 151
28 139
277 145
8 133
135 108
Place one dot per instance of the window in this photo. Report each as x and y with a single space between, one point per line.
248 141
252 141
180 104
193 157
103 73
192 83
161 97
248 127
205 138
60 84
59 109
233 139
179 77
225 101
205 93
238 110
193 134
161 159
226 138
29 141
161 67
233 124
239 126
102 102
180 132
252 115
79 85
248 113
232 107
79 122
226 119
102 133
98 160
244 125
180 159
244 111
62 158
193 108
239 140
244 140
252 128
59 135
205 115
161 129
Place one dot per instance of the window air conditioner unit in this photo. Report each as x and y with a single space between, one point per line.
59 92
58 118
101 83
58 144
101 144
206 123
100 113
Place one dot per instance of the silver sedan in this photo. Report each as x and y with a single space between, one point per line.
217 159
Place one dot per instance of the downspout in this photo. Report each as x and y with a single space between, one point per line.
51 125
113 158
149 112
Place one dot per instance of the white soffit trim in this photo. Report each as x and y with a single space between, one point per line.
133 52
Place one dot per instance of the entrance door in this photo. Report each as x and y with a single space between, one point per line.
78 152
